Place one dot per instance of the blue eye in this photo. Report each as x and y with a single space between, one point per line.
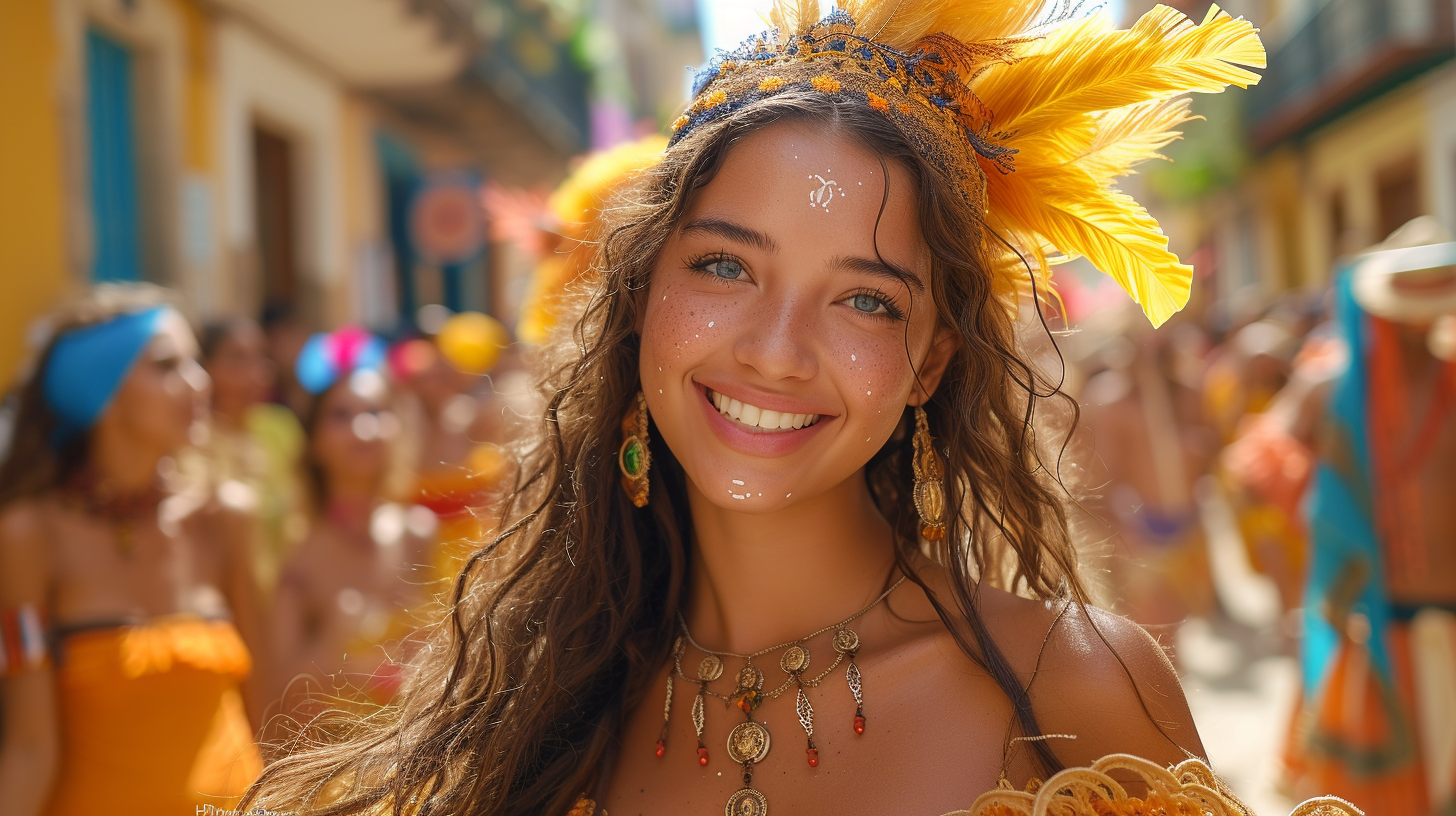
726 268
869 304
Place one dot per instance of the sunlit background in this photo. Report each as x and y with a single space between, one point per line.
387 164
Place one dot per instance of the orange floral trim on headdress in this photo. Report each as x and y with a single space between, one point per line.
825 83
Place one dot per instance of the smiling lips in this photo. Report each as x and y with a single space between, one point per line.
756 417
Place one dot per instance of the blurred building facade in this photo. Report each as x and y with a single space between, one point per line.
274 154
1351 133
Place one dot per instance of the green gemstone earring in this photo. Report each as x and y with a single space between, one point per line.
633 458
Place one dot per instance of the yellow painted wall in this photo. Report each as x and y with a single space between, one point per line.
1348 155
33 270
199 111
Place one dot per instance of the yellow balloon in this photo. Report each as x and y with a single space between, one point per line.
472 341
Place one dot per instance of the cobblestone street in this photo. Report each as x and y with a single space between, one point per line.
1241 683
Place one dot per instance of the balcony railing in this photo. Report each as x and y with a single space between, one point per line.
1348 52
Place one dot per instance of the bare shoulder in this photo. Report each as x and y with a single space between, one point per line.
24 564
1097 676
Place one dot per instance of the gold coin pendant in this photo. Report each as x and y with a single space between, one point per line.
795 659
710 669
746 802
748 742
749 677
846 641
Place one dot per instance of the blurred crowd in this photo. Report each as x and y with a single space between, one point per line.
226 530
1324 426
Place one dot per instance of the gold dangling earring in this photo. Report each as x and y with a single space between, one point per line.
929 492
633 458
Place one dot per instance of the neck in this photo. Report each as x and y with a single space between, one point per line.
763 579
349 490
228 417
121 463
350 511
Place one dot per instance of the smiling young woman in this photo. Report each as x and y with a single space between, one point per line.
787 536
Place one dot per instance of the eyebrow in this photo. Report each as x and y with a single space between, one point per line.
752 237
733 232
883 269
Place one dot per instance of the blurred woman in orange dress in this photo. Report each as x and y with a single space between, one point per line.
122 593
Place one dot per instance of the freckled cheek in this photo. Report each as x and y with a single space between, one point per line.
875 381
680 329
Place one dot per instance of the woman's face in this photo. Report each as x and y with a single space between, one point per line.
164 393
351 434
787 317
242 373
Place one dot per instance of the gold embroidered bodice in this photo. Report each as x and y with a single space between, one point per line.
1189 788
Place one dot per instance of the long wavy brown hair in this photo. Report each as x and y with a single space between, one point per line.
559 624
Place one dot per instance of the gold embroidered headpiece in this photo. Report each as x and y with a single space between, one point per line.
1032 122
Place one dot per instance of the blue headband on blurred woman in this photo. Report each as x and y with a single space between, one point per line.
87 365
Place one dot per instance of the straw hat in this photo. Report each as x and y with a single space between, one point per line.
1411 277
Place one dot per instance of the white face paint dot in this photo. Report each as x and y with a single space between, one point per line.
788 495
710 324
852 358
738 482
867 393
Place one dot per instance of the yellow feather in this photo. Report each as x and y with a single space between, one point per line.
903 23
794 17
1086 67
1105 145
1077 215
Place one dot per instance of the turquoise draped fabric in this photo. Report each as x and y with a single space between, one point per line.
1341 508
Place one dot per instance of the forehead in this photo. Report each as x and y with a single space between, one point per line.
808 184
173 338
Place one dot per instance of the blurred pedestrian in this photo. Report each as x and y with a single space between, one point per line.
286 335
253 447
1241 383
1149 444
346 596
459 461
122 592
1378 719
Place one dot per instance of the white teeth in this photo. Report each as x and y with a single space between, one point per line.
750 415
754 416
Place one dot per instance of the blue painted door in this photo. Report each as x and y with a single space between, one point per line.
112 140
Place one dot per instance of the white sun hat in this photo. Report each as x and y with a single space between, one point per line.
1411 277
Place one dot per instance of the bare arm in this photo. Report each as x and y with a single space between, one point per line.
30 741
236 529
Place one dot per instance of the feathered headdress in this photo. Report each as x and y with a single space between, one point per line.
1033 121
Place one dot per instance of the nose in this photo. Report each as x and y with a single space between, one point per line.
780 346
195 376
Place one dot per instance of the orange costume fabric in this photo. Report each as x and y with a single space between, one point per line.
152 721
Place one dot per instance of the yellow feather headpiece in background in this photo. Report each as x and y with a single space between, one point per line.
1034 122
